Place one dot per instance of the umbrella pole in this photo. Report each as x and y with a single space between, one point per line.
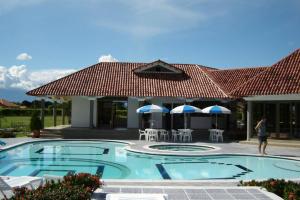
151 121
216 121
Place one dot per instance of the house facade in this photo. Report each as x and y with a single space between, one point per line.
107 94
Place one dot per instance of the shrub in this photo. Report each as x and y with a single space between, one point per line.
7 134
85 179
72 187
51 190
35 122
286 189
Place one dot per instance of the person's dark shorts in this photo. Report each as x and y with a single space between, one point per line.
262 139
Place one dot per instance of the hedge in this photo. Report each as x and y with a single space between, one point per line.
73 187
287 190
26 112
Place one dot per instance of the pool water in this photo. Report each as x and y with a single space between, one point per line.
112 161
174 147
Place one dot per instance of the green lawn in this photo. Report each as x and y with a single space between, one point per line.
23 121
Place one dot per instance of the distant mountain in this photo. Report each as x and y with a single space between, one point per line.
15 95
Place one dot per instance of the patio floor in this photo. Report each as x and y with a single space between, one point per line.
193 193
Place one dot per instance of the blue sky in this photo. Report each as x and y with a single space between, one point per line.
57 37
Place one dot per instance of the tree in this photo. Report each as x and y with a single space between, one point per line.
35 124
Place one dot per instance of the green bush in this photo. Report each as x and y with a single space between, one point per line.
73 187
287 190
50 191
88 180
35 122
7 134
26 112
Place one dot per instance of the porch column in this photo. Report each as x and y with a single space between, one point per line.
54 112
277 126
249 119
172 116
91 112
63 114
43 112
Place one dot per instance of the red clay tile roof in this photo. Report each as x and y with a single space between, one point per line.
281 78
7 104
231 79
118 79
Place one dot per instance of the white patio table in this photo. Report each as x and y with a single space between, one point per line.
152 134
185 135
215 135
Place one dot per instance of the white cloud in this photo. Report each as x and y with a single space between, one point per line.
22 78
151 17
9 5
2 76
24 56
107 58
16 71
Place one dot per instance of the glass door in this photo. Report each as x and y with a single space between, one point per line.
120 114
285 118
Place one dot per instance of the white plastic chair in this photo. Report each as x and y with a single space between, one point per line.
175 135
164 135
143 133
220 135
186 135
152 135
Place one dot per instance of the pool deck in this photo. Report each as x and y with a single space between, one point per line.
187 190
192 193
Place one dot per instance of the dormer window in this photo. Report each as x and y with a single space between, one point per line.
158 67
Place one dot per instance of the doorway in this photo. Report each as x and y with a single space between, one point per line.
112 113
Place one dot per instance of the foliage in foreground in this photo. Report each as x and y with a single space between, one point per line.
73 187
287 190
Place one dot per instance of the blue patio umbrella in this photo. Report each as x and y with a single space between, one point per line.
185 109
152 109
216 110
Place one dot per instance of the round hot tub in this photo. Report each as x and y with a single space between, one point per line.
179 147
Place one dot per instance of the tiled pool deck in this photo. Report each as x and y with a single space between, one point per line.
194 193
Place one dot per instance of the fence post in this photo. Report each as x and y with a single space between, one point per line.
63 113
43 112
54 113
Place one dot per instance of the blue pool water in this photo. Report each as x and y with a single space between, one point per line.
112 161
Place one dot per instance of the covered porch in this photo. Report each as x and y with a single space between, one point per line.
281 111
120 113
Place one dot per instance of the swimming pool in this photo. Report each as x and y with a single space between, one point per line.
111 160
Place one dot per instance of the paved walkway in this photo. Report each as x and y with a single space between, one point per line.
193 193
221 148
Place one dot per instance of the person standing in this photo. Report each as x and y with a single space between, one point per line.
262 135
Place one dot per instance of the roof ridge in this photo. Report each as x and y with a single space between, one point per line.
258 74
266 70
284 58
242 68
213 81
64 77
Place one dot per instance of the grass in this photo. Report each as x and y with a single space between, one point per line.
23 122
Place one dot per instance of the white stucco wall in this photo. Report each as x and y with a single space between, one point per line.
80 112
132 116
